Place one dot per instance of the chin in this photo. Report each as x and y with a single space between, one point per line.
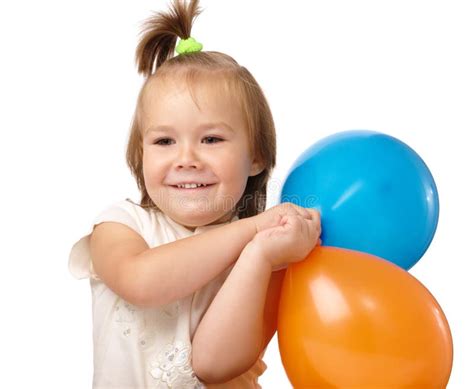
193 219
196 220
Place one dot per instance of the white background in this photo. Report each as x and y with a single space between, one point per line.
68 86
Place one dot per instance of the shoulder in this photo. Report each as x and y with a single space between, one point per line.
129 213
126 212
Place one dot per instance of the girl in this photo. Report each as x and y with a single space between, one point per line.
185 284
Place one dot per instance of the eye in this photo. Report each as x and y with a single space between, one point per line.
213 139
168 141
163 141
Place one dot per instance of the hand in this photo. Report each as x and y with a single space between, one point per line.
291 241
272 217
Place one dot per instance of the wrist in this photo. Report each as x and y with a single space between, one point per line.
255 252
263 221
249 225
253 221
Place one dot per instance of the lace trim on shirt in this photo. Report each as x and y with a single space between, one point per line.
171 367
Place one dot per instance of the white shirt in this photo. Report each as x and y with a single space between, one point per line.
147 347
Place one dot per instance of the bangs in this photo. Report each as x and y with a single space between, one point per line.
219 83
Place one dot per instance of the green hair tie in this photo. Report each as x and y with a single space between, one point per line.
189 45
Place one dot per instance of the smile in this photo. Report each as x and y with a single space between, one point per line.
192 187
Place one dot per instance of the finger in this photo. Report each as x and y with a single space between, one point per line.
304 226
295 223
293 209
311 238
309 213
313 229
315 214
316 220
290 209
305 212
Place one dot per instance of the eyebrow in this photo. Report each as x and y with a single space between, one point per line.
204 126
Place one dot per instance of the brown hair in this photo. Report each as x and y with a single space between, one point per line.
154 57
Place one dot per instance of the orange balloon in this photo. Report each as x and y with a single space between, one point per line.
352 320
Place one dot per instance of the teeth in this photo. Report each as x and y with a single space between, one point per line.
191 186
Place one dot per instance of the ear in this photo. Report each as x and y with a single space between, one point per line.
256 168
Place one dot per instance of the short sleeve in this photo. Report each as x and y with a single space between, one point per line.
125 212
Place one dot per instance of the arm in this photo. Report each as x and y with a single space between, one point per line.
188 263
242 317
240 321
153 277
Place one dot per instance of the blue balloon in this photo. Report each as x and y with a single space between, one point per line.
374 193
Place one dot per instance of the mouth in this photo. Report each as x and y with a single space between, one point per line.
200 188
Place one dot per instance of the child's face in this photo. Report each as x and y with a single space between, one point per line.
204 145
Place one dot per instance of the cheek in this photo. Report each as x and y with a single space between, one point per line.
147 166
236 157
234 172
152 167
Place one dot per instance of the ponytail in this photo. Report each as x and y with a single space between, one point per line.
160 32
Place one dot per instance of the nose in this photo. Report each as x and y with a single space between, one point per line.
187 158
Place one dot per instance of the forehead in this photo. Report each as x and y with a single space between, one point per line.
204 97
